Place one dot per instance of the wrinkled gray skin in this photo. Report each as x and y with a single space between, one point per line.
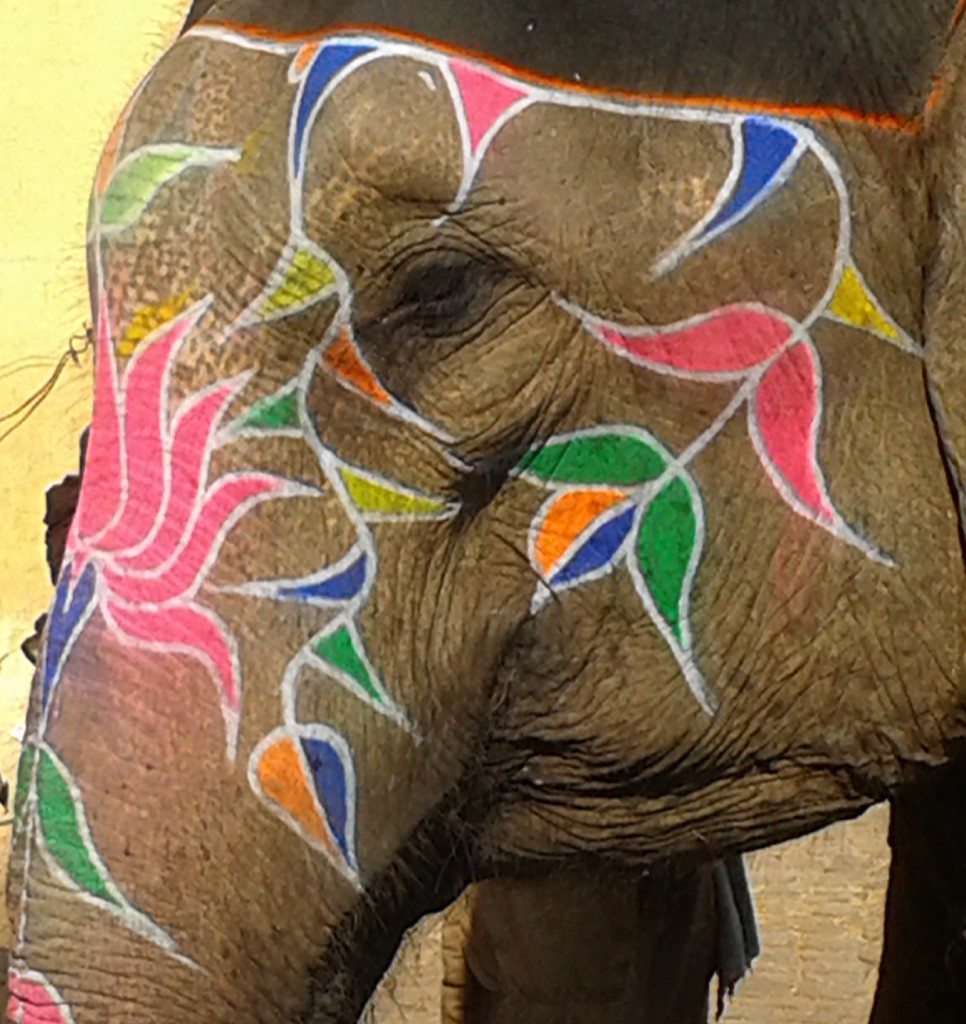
562 740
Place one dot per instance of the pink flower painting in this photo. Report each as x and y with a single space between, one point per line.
150 521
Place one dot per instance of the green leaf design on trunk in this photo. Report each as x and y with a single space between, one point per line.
343 657
624 458
670 541
63 825
143 173
271 414
28 756
668 551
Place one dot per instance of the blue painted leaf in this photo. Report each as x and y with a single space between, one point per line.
768 147
341 586
331 781
328 62
67 617
599 549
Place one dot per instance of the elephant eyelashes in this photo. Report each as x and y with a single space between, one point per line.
440 302
444 294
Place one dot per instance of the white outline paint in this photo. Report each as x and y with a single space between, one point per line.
230 715
695 239
192 316
901 341
546 590
135 920
36 978
838 527
683 652
349 868
245 42
269 589
207 157
387 706
447 509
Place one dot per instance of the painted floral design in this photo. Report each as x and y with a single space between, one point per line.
149 522
34 1000
619 497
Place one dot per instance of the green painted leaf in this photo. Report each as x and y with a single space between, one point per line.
275 412
668 547
24 771
63 824
142 174
593 457
342 651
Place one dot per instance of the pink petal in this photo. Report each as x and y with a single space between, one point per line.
784 417
190 450
185 629
227 500
485 97
101 492
33 1000
730 340
145 400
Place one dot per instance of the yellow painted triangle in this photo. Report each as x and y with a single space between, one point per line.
371 495
305 277
853 304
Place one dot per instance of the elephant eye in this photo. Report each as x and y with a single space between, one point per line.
444 293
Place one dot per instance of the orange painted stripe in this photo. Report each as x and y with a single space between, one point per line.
304 57
342 357
282 776
567 518
891 122
960 11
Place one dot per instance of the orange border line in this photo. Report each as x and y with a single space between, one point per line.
890 122
960 11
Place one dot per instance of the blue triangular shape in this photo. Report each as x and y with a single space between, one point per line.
599 548
341 587
330 59
768 145
66 617
329 780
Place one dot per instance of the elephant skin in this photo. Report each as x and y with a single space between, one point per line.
527 440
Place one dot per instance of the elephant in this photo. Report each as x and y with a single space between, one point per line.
538 451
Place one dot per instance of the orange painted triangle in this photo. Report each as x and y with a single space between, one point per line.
342 358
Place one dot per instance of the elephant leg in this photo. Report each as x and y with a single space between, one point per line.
922 976
598 947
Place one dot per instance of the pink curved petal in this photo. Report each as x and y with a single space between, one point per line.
185 629
485 95
227 500
190 450
730 340
100 494
33 1000
145 401
784 417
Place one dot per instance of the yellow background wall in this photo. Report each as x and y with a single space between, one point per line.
66 69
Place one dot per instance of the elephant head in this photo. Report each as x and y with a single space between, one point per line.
486 471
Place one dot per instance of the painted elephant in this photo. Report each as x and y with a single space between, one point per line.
526 438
